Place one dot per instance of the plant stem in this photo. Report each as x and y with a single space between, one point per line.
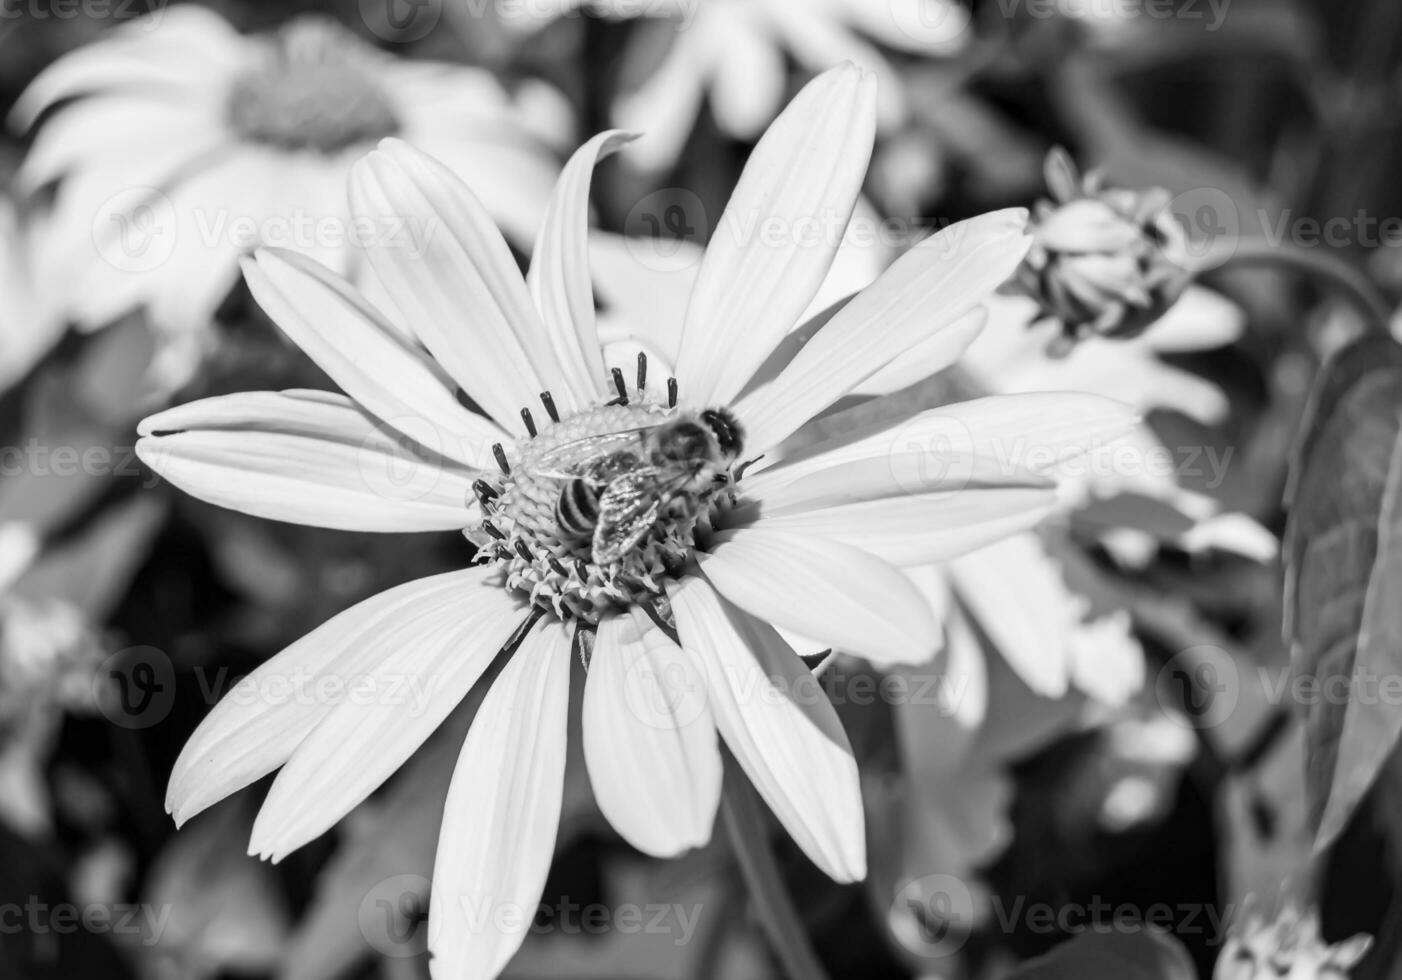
1323 268
745 825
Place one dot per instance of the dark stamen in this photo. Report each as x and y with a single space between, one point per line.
485 491
493 530
548 401
560 569
500 454
530 422
642 371
522 550
622 387
582 569
671 392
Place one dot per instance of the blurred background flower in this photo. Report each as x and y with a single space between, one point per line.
176 144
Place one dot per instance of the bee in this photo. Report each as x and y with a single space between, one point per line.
618 484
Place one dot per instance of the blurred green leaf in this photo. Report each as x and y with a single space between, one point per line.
1140 954
1343 555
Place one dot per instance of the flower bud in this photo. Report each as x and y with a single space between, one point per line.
1104 261
1288 947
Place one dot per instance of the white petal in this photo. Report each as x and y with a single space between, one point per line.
425 666
777 492
305 457
559 277
371 360
174 49
957 680
924 528
749 81
923 294
1015 593
451 275
1201 320
649 738
776 240
502 814
513 179
776 719
925 359
1022 432
837 594
83 132
260 723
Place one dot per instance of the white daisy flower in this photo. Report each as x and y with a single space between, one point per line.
177 145
633 519
734 52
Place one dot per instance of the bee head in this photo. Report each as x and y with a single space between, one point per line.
684 441
730 437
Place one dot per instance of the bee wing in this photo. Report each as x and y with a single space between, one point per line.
571 460
627 511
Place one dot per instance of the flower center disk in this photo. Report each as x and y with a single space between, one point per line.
553 561
316 91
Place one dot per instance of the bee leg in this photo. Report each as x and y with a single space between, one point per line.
740 470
